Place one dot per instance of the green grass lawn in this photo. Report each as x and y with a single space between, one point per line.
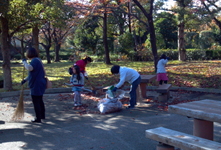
203 74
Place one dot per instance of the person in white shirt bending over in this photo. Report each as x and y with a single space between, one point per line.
131 76
161 71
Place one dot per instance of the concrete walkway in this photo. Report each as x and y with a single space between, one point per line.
69 128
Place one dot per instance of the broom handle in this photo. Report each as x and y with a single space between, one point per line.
23 76
91 84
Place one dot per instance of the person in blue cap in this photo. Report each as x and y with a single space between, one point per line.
127 75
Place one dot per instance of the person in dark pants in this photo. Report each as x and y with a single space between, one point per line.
130 75
37 83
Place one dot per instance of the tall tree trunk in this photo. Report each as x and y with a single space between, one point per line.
153 41
151 30
107 57
22 47
5 47
181 42
135 45
57 49
94 50
181 27
35 32
129 18
218 23
48 54
47 50
140 42
121 26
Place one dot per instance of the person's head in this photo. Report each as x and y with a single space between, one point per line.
115 69
31 53
76 70
163 56
87 60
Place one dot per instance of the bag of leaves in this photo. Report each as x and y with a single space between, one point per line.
111 103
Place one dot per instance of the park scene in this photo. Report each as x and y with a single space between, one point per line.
110 74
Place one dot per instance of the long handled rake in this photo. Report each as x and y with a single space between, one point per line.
94 90
19 112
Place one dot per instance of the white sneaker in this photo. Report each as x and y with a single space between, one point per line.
75 104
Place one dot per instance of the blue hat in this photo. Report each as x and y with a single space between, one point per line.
115 69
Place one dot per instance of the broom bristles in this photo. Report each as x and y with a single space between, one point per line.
19 112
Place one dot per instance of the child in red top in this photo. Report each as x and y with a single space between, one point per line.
82 64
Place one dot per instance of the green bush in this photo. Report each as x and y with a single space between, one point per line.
195 54
216 54
144 55
206 39
17 56
172 53
192 54
113 57
213 54
209 54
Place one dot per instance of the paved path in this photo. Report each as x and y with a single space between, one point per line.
82 128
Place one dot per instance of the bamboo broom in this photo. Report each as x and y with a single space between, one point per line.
19 112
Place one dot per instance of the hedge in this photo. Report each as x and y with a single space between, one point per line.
192 54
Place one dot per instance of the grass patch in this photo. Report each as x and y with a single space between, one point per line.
201 74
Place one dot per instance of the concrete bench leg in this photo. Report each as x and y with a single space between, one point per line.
162 146
143 89
164 97
203 129
168 95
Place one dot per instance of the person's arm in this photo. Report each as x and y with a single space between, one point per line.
122 79
27 66
82 79
71 80
23 81
164 61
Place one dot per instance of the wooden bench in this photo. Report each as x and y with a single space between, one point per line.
170 139
143 84
164 91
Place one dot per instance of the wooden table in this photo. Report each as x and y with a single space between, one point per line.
204 112
143 84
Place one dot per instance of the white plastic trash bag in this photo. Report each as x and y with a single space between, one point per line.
119 94
112 103
107 105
